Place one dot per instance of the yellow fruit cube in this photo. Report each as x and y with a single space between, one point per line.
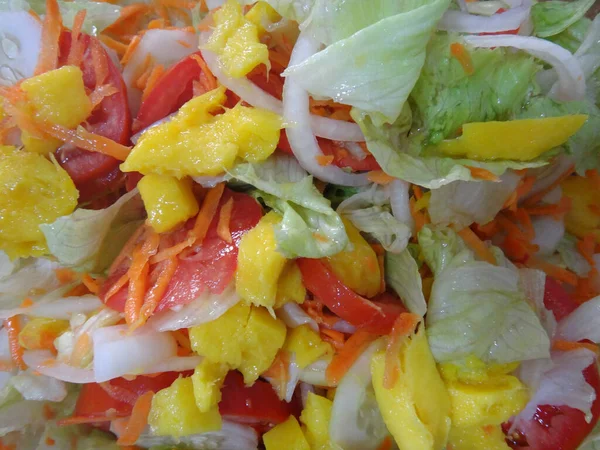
222 340
582 218
315 417
208 379
58 97
492 402
174 412
357 267
290 287
235 40
259 263
263 337
488 437
417 408
168 201
287 435
196 143
262 14
306 345
521 140
35 191
39 333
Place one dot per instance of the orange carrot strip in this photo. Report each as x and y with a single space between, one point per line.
13 328
324 160
51 30
155 75
77 48
417 191
461 54
379 177
133 45
207 212
212 81
557 272
156 292
88 141
482 174
65 276
48 412
90 283
587 247
79 420
128 248
566 346
419 217
129 20
404 326
117 46
82 347
349 353
100 93
26 303
386 444
540 195
6 366
477 245
138 419
223 230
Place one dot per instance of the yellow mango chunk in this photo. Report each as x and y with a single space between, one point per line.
358 267
168 201
245 338
39 333
262 15
520 140
207 380
35 191
417 408
196 143
492 402
473 370
306 344
290 287
315 417
235 40
582 219
174 412
488 437
259 263
58 97
287 435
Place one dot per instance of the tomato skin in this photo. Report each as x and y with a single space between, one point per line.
252 405
94 401
558 427
346 303
92 171
212 266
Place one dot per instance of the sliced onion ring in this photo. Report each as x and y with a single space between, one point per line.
463 22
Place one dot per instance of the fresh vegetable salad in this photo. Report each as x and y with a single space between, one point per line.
299 224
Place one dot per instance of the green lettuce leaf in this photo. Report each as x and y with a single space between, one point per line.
89 240
553 17
572 37
310 228
446 97
407 159
402 274
476 308
375 68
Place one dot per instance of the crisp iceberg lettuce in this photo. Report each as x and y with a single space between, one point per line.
553 17
402 274
476 308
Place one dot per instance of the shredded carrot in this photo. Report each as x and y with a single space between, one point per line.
223 230
379 177
128 248
77 291
184 44
404 326
81 349
138 419
381 263
129 20
133 45
334 335
6 366
554 271
586 247
155 74
207 212
77 47
119 284
324 160
461 54
51 30
49 441
556 210
65 276
143 72
26 303
279 372
349 353
4 446
531 201
423 202
100 93
117 46
386 444
477 245
482 174
210 78
119 393
417 191
80 420
90 283
156 23
88 141
156 292
182 339
566 346
13 328
524 220
419 217
49 413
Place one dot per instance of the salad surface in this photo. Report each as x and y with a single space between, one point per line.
299 224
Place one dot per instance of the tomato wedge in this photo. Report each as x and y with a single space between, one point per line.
211 267
362 313
558 427
252 405
95 173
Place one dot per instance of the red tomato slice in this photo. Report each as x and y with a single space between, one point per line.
212 267
95 401
562 427
91 171
252 405
362 313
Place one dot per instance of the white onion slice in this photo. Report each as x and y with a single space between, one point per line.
300 135
336 130
210 182
63 308
583 323
294 316
344 327
118 352
176 364
548 234
399 201
355 150
205 308
315 374
485 8
21 43
462 22
547 175
43 362
164 47
571 81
